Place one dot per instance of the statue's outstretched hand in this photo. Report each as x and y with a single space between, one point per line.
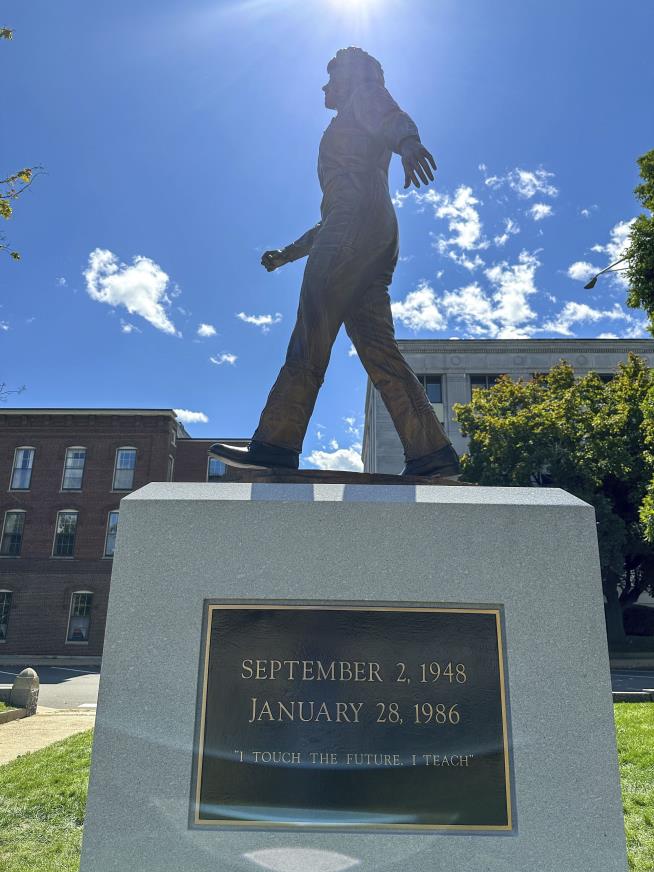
417 162
272 260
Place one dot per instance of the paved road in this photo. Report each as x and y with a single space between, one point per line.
62 687
66 687
632 679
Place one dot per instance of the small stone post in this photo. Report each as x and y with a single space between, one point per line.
25 692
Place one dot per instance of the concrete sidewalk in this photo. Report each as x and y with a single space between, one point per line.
45 727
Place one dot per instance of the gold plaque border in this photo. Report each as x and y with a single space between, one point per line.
340 826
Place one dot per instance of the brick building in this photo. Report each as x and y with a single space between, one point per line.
64 473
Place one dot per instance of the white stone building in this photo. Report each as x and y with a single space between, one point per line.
450 369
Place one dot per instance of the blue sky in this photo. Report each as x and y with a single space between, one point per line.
179 142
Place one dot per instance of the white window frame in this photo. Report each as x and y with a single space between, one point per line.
170 472
63 474
68 641
6 590
13 468
209 459
123 490
2 536
106 535
54 538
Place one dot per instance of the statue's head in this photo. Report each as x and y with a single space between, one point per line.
348 69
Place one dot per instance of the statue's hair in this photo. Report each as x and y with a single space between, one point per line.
359 64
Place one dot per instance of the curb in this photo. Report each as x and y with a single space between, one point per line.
12 715
633 696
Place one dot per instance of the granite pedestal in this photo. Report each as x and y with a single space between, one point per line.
532 552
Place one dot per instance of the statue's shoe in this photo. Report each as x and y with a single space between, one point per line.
257 455
444 463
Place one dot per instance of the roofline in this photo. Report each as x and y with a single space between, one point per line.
214 439
452 344
86 411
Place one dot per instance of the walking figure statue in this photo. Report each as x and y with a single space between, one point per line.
352 253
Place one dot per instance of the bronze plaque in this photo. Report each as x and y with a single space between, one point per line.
352 717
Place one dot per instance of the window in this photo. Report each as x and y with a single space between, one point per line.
482 382
606 377
12 534
124 469
215 469
5 608
65 532
73 469
112 528
21 474
171 468
433 385
80 616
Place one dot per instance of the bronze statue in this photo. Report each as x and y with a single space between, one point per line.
352 253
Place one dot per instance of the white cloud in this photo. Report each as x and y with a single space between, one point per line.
4 325
352 352
333 444
462 216
141 287
540 210
618 242
128 327
614 249
608 336
351 427
526 183
224 357
473 307
580 313
61 282
348 459
419 311
188 417
511 228
586 213
263 321
206 330
513 283
464 261
581 270
502 313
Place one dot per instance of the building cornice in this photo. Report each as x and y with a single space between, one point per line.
525 346
89 411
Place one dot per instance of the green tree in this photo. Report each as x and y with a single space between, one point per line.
14 184
640 252
585 436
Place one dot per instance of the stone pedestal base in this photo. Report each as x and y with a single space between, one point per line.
532 552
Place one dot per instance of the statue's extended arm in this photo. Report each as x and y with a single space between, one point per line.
272 260
379 114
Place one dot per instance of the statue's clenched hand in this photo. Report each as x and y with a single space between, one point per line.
417 162
272 260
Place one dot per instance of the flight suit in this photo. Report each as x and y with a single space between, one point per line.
352 253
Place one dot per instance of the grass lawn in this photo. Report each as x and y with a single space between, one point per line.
42 798
4 707
634 724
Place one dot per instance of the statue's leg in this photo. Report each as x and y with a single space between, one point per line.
331 277
369 325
